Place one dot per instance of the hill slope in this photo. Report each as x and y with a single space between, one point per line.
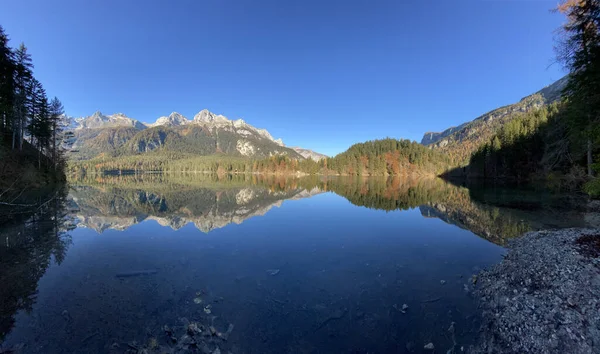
461 141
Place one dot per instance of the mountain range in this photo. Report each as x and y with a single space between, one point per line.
461 141
206 134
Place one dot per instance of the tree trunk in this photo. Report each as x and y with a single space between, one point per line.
589 158
21 134
39 154
54 145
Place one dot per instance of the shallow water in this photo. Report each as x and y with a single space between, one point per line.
309 265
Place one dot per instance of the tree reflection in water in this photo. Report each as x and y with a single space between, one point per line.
31 239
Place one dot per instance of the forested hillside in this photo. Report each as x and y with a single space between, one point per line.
372 158
31 126
556 143
388 157
525 148
460 142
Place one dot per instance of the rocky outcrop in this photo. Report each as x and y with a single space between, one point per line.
309 154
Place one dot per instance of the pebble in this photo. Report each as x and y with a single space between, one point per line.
429 346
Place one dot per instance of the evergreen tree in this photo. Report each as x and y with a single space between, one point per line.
23 76
580 53
39 127
7 83
56 112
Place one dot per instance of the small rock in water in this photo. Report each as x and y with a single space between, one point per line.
194 329
207 309
442 282
272 271
198 300
451 328
213 330
404 308
429 346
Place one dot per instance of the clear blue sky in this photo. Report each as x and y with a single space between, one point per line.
319 74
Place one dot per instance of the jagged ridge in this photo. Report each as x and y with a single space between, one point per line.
207 133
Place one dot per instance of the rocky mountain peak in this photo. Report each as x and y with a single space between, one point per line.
174 119
99 120
206 116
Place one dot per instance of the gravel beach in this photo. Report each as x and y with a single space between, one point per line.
544 297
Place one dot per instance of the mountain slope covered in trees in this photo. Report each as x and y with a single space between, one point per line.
557 142
460 142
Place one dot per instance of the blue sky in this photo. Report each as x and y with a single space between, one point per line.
319 74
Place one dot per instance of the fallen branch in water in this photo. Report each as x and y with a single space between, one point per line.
17 204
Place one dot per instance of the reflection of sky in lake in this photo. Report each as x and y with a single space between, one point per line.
344 273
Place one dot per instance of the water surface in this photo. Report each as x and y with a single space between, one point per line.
274 265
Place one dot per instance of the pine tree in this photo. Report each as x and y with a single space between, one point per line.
23 76
38 112
7 83
57 112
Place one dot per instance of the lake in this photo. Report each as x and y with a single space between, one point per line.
256 264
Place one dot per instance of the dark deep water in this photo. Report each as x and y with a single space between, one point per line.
273 265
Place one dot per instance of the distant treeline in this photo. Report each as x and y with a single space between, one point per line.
373 158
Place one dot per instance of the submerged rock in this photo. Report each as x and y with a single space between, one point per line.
429 346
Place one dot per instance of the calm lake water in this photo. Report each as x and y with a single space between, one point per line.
257 265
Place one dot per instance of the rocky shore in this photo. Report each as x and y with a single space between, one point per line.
544 297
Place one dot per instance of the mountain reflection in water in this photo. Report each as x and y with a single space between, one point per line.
317 274
210 202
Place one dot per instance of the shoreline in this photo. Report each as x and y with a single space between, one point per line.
544 296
